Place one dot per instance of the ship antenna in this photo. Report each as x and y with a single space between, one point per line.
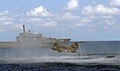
23 28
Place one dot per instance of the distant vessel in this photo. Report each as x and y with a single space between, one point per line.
28 39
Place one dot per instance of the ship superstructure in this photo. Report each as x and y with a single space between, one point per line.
28 39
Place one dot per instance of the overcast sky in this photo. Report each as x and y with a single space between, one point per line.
76 19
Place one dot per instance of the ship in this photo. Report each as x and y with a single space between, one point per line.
32 40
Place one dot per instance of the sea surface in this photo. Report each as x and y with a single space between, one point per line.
91 56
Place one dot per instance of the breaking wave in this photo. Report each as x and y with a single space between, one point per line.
79 60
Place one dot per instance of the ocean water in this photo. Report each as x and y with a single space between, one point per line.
94 56
57 67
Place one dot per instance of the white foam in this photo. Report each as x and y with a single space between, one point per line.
68 59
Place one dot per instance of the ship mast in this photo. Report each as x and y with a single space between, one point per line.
23 28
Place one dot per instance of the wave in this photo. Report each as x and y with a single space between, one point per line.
79 60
